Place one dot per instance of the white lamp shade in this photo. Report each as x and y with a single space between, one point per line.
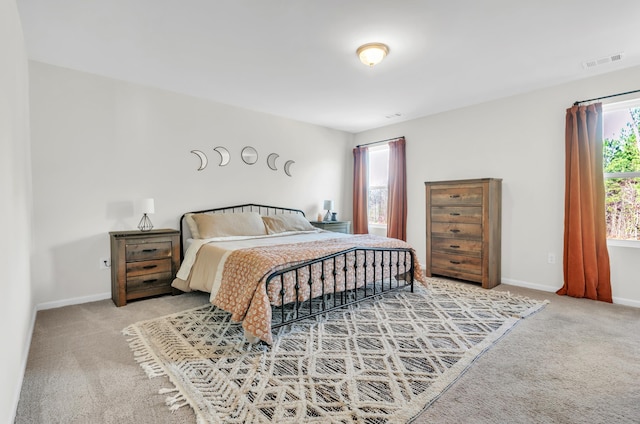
328 205
147 206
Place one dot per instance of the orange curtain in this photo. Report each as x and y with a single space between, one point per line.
586 259
397 200
360 190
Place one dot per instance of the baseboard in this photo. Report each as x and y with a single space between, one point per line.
626 302
73 301
528 285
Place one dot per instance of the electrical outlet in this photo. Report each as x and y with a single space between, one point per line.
551 258
105 263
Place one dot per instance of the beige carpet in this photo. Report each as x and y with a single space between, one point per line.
380 361
576 362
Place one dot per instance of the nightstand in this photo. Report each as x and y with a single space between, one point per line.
335 226
143 263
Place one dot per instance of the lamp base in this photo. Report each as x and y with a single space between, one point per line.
145 223
327 217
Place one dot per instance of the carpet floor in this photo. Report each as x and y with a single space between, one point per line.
577 362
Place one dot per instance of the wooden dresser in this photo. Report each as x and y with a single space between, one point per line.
464 229
143 264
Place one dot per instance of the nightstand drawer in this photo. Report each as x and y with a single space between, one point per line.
145 251
148 282
148 267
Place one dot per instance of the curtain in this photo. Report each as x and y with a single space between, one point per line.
360 190
397 200
586 259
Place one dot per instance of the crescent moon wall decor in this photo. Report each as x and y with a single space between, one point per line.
287 165
203 159
225 157
271 161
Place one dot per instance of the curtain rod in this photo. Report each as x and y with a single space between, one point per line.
605 97
378 142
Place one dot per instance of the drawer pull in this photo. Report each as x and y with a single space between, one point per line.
153 280
455 262
454 214
454 246
149 266
454 196
149 250
455 231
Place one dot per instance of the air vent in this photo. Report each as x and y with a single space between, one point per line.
602 61
394 115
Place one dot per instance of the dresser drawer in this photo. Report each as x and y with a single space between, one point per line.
455 263
154 266
145 251
456 246
466 214
147 282
456 196
456 230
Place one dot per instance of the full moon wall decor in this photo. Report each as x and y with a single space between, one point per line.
249 156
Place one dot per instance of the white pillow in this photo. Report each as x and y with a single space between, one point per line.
286 222
229 224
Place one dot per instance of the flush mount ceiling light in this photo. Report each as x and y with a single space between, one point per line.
372 53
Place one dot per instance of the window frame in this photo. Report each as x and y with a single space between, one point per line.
382 146
611 107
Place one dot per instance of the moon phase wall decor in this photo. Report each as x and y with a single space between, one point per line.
225 157
203 159
271 161
249 156
287 167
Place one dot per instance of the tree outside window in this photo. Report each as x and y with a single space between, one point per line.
378 184
621 162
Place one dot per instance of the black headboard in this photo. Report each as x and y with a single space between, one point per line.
249 207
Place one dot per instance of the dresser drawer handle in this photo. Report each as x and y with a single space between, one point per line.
149 266
454 196
454 246
150 281
149 250
455 231
455 262
454 214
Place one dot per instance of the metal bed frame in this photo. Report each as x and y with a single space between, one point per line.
372 263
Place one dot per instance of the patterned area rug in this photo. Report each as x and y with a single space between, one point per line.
380 361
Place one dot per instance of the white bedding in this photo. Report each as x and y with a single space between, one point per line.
226 245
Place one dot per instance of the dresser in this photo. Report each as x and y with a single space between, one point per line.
464 229
143 264
335 226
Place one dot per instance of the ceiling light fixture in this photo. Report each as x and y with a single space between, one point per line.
372 53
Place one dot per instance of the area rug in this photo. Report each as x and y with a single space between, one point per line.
383 360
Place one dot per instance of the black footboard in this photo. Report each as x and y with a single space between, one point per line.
311 288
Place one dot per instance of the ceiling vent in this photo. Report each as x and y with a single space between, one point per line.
602 61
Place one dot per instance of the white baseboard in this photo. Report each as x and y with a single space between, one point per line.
528 285
73 301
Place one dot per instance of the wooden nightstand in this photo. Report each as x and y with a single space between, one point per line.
335 226
143 264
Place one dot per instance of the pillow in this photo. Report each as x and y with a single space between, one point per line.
229 224
286 222
193 227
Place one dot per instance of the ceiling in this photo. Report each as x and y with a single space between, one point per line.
296 58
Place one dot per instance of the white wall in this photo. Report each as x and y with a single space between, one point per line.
16 312
99 145
521 140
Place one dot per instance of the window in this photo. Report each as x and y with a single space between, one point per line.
621 162
378 189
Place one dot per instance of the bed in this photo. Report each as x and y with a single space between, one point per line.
269 267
